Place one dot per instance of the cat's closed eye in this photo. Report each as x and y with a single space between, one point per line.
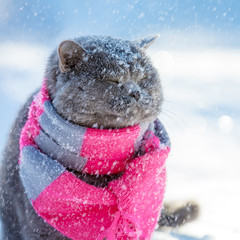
80 88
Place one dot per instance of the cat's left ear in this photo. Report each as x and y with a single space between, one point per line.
69 53
145 42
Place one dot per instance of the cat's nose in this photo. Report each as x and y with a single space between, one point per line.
133 90
135 94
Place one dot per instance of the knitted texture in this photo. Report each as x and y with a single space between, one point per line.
128 208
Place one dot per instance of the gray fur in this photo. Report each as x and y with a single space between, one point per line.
112 85
105 83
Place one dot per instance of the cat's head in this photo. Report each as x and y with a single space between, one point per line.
104 82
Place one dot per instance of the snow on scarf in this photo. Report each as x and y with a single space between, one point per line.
128 208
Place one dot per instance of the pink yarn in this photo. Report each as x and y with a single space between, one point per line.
75 208
31 128
128 208
140 194
99 146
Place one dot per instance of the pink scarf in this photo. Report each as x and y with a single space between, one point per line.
128 208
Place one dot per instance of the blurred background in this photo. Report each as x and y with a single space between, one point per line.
198 58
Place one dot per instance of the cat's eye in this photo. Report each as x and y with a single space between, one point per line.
110 80
80 88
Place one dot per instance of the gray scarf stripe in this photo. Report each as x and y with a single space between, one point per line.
161 133
54 151
64 133
32 162
137 145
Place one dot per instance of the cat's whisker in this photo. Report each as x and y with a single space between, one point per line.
180 123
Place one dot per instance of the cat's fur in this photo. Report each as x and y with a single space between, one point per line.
94 82
109 83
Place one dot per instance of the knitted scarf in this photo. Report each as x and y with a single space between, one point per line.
128 208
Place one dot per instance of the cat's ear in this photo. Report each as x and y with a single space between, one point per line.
146 41
69 52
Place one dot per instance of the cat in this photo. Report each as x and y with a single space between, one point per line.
96 82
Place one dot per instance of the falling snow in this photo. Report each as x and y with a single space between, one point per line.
198 60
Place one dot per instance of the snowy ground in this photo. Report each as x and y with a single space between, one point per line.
201 114
203 118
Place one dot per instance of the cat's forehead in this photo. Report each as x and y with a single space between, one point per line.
115 48
115 59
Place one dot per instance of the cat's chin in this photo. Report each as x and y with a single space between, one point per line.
121 122
110 121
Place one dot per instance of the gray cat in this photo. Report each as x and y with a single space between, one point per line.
97 82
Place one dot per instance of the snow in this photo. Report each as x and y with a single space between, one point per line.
198 57
176 236
226 124
202 118
201 114
21 68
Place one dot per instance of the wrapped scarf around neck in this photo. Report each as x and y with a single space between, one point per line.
128 208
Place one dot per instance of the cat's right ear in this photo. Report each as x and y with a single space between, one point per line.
145 42
69 53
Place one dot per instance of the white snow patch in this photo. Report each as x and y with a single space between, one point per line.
193 65
22 68
23 56
226 124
